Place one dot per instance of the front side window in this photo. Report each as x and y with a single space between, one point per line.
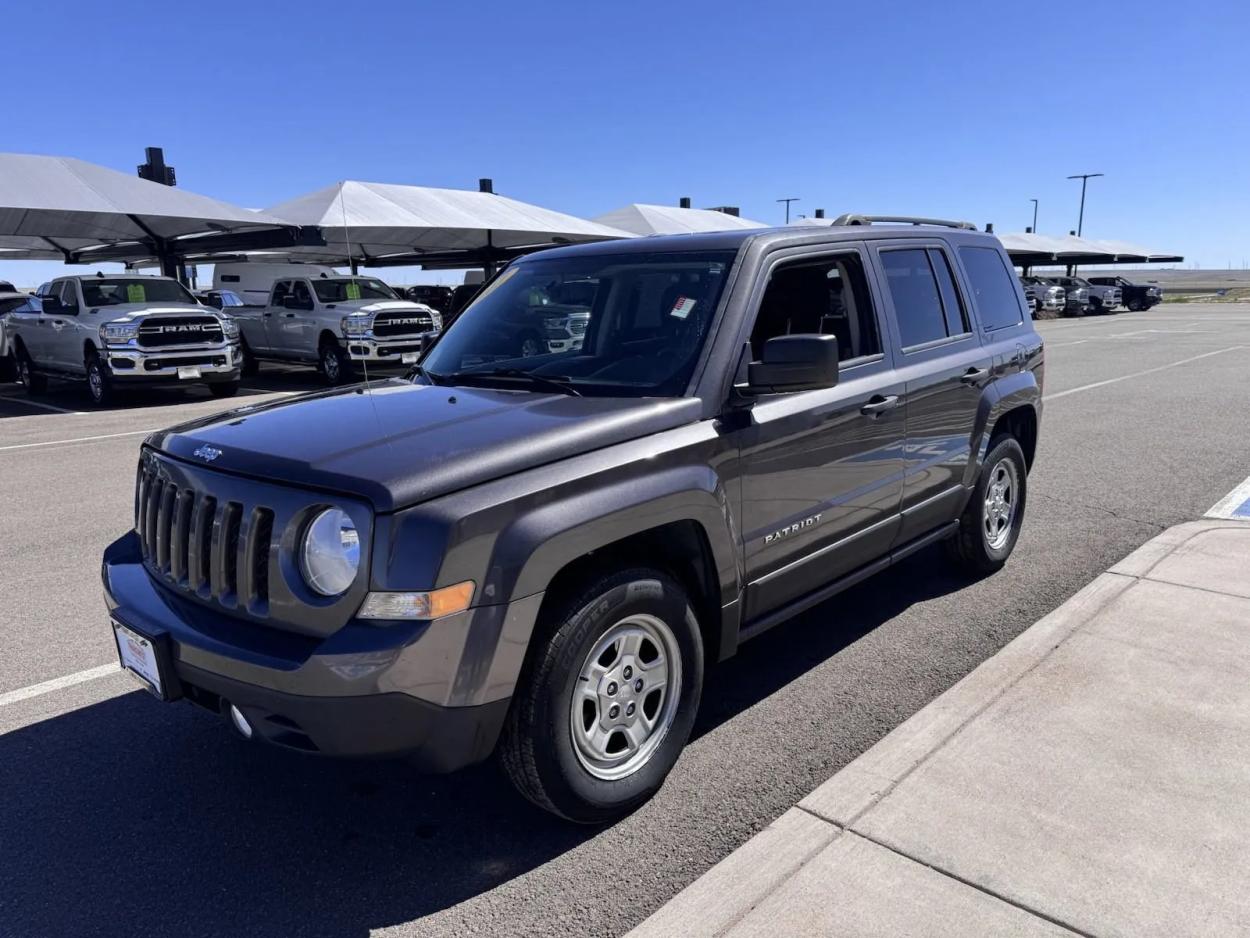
626 325
342 289
826 295
994 294
117 291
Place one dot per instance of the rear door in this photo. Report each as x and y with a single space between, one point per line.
293 332
944 367
822 469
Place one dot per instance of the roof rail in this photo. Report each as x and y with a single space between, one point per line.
903 220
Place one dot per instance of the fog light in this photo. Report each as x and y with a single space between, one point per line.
240 722
428 605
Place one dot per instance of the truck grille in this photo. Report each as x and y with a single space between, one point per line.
161 331
402 322
217 550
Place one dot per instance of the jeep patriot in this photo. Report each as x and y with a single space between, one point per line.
539 556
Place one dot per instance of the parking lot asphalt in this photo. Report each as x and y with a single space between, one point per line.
125 816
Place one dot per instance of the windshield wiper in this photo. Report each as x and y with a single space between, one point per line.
550 382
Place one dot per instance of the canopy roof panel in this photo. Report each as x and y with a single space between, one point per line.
1028 249
370 221
641 219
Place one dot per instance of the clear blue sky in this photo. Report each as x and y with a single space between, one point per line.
952 109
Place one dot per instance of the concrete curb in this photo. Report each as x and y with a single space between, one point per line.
728 892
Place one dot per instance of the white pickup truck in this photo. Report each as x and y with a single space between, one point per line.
344 325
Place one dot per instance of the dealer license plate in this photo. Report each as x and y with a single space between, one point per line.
409 358
138 656
188 372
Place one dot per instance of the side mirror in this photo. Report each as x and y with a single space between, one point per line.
795 363
50 304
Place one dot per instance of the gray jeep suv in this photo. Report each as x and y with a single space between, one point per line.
540 555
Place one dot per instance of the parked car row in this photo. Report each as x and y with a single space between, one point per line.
1076 296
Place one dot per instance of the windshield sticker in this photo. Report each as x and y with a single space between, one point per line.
353 291
135 293
683 307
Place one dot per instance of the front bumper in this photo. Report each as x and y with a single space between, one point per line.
366 691
131 365
386 353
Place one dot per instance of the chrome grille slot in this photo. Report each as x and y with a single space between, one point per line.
225 560
200 544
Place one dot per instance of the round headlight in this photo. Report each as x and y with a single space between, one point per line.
330 553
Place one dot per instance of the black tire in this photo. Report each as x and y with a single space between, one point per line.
249 365
537 749
34 382
99 382
336 366
224 389
972 547
8 368
1135 306
531 344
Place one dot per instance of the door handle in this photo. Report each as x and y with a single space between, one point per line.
974 376
878 405
267 315
288 315
58 325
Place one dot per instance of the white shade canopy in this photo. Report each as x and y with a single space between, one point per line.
371 221
640 219
1029 248
52 206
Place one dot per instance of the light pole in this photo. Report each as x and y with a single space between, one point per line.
1034 201
788 201
1085 178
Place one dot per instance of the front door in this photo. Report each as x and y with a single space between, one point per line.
64 349
945 367
821 470
292 331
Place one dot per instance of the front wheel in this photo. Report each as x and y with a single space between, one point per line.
608 698
991 522
1135 306
336 366
224 389
99 383
248 366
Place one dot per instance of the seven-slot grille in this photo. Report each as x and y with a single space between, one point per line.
402 322
216 549
160 331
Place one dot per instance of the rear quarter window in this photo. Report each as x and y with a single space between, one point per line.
993 287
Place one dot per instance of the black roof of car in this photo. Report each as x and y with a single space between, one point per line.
732 240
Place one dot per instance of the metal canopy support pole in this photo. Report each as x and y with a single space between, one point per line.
488 268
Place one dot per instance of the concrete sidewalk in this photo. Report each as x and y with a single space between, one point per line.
1093 778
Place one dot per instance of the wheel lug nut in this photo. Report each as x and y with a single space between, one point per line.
611 688
629 711
638 686
628 672
613 712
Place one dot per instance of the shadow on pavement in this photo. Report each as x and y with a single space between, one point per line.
128 817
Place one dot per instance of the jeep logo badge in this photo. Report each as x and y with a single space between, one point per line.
207 453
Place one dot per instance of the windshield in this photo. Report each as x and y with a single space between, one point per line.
629 325
338 290
114 291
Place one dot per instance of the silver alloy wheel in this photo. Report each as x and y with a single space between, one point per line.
1001 499
95 380
625 697
330 362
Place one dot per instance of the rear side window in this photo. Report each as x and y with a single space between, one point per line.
918 307
995 294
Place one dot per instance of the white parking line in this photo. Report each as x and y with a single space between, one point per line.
1236 504
26 400
57 683
78 439
1138 374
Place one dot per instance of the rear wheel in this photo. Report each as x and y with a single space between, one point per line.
607 700
991 522
34 382
336 366
99 382
531 345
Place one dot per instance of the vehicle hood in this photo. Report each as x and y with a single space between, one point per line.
378 306
128 312
401 443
